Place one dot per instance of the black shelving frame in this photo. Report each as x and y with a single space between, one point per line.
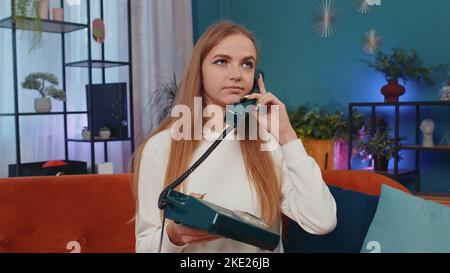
62 28
396 173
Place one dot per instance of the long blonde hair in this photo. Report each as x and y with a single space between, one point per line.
259 164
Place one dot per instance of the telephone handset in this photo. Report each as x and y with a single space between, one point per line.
238 109
255 89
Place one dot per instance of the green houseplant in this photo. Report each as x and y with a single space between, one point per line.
86 133
325 135
25 12
377 143
399 64
319 124
37 82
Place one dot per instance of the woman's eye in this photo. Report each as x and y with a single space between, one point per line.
220 61
249 65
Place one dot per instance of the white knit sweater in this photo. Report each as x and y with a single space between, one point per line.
306 198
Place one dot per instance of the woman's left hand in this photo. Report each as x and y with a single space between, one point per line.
285 133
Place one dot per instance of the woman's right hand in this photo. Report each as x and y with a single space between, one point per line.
181 235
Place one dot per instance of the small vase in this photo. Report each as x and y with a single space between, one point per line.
380 164
44 9
42 105
98 31
104 134
392 91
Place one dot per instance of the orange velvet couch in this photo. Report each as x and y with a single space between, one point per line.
93 213
90 213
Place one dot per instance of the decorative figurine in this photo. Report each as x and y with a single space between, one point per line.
427 127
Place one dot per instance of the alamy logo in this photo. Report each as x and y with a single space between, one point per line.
74 246
373 2
374 247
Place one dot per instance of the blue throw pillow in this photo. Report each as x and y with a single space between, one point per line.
407 224
355 212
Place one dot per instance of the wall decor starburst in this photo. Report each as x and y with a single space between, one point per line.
371 42
325 19
362 6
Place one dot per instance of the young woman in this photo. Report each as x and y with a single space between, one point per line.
238 175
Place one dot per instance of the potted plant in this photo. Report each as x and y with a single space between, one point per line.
161 102
38 81
311 128
104 133
324 135
377 143
400 64
85 133
24 10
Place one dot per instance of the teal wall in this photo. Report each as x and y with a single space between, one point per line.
302 68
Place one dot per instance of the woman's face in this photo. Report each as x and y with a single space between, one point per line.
228 70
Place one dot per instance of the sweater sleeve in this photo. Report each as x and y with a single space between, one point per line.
148 218
306 198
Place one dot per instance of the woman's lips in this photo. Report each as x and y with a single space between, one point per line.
234 90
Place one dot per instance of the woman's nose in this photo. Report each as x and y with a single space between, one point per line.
235 72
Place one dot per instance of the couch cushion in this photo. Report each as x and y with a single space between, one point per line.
405 223
354 214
